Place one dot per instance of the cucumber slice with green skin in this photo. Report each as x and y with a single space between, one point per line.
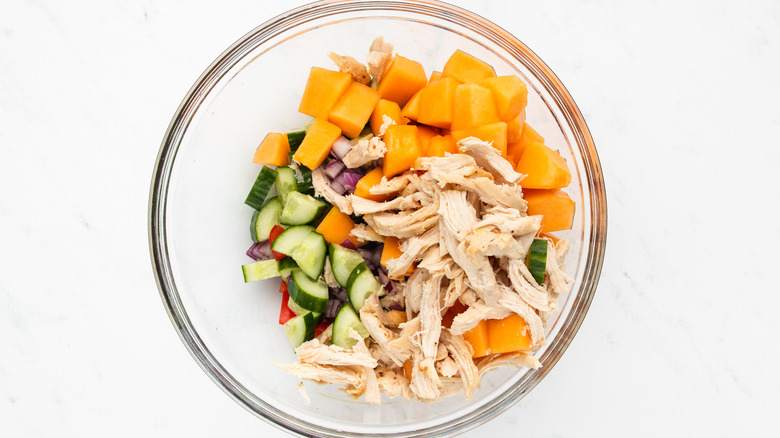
285 182
295 138
308 294
537 259
347 318
300 209
286 266
365 134
290 238
361 285
342 262
310 254
300 329
260 270
263 184
298 310
265 219
304 180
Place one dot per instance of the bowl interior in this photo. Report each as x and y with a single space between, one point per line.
231 327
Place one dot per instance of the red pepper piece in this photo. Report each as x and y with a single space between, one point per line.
285 313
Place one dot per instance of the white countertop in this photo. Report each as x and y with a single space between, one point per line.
682 101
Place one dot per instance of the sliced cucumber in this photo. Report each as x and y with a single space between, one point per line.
286 266
342 262
301 209
285 182
263 183
260 270
361 285
298 310
310 254
537 259
295 138
307 293
290 238
347 318
304 180
365 134
300 329
265 219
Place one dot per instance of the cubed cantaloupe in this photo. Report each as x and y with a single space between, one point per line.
385 108
370 179
508 335
402 79
510 94
434 76
353 109
412 108
473 106
555 206
515 147
403 149
273 150
323 89
494 132
466 68
336 226
316 144
478 337
514 128
441 144
390 250
436 103
544 167
424 135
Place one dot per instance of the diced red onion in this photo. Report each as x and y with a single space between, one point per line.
349 179
260 251
338 293
334 168
348 244
340 147
371 256
382 274
338 187
333 308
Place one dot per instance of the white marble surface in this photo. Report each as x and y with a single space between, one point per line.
682 100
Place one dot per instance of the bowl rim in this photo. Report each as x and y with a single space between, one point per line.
223 64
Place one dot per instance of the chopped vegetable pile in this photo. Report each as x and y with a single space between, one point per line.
410 226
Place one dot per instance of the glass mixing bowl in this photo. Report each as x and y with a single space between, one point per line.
198 223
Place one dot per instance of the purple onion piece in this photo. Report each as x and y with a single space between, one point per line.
338 187
260 251
350 179
340 147
348 244
334 168
383 278
333 308
339 293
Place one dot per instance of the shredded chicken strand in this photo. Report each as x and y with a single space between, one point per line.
348 64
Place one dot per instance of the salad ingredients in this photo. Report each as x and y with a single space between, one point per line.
447 190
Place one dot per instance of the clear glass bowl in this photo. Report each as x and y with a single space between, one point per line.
198 223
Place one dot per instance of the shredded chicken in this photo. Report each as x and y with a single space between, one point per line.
489 158
380 55
364 152
364 233
321 184
386 122
315 352
348 64
517 359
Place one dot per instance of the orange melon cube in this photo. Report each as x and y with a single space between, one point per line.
494 132
370 179
514 128
403 78
336 226
412 108
508 335
514 151
466 68
274 150
529 134
385 108
474 106
436 103
478 337
323 90
390 250
546 168
510 93
555 206
353 109
403 148
424 135
434 77
441 144
316 144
